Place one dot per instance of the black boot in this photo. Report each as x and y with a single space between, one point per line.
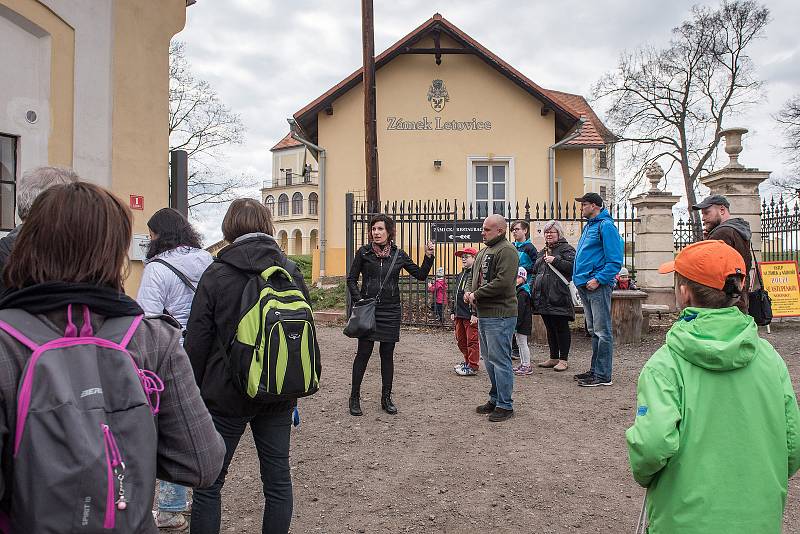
355 405
386 402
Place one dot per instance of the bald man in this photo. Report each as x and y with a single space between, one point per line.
493 293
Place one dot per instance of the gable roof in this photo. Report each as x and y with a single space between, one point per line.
594 133
566 115
286 142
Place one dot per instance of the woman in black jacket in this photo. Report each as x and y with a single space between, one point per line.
551 295
212 324
372 262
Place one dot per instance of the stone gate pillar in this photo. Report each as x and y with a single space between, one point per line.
739 184
654 243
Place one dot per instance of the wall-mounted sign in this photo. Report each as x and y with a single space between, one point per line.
438 95
457 231
137 202
436 123
783 286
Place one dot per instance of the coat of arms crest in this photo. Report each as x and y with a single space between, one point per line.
437 95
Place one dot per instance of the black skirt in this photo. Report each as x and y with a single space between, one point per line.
387 323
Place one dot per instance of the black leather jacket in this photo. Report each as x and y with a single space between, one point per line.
373 271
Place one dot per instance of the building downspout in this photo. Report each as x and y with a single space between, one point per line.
551 156
321 158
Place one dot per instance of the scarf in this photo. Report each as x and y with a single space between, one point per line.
42 298
382 251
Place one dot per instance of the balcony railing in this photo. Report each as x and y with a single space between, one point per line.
293 181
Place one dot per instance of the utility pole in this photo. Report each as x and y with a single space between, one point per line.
370 116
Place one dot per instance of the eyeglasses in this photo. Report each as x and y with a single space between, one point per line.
551 232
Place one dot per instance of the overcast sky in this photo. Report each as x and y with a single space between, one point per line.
269 58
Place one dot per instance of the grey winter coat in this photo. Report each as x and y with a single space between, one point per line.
190 451
161 289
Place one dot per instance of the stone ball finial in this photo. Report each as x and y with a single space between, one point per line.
654 174
733 145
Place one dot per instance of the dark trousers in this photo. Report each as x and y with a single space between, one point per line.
363 353
558 336
271 435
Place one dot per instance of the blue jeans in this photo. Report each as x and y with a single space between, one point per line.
495 335
597 310
171 497
271 435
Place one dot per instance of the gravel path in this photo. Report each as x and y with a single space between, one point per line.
559 466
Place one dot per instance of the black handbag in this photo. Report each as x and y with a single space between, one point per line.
760 305
362 315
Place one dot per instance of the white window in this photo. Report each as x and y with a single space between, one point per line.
491 185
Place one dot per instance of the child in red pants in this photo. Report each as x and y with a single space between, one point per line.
466 322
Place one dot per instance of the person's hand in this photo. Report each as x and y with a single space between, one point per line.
452 316
429 247
592 284
549 259
473 320
469 298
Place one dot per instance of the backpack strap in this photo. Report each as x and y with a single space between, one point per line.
26 328
120 330
185 279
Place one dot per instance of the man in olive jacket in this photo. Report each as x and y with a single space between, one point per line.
494 281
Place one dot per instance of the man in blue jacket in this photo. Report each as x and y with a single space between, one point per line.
597 262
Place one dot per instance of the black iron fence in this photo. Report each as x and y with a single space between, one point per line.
454 225
780 230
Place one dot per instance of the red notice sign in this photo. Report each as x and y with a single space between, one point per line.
137 202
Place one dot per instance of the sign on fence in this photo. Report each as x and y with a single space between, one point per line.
457 231
783 286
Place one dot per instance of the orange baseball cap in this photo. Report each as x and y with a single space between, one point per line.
706 262
467 250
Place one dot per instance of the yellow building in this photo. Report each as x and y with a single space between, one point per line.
454 121
293 196
84 84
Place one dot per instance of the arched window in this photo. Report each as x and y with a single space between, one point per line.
269 202
283 204
297 203
313 201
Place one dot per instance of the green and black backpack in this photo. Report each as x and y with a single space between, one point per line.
275 355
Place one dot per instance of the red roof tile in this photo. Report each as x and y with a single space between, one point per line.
286 142
594 133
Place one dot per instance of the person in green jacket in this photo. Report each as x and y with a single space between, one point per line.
493 293
717 430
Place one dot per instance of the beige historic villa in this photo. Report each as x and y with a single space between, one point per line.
293 197
455 121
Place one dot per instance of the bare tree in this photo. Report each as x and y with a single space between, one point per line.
670 103
788 120
202 125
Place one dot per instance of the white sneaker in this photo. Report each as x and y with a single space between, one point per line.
466 371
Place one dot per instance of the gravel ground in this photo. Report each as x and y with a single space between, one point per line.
560 465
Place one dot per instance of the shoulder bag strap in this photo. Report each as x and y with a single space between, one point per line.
386 278
563 278
188 283
755 266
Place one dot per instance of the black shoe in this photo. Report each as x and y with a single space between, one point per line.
486 408
500 414
387 405
355 406
594 382
582 376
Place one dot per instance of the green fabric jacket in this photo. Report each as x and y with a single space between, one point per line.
717 429
494 279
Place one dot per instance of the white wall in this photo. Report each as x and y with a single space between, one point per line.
25 75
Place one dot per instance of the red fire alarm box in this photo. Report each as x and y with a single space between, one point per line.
137 202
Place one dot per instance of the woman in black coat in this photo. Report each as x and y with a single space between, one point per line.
551 295
215 315
372 262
